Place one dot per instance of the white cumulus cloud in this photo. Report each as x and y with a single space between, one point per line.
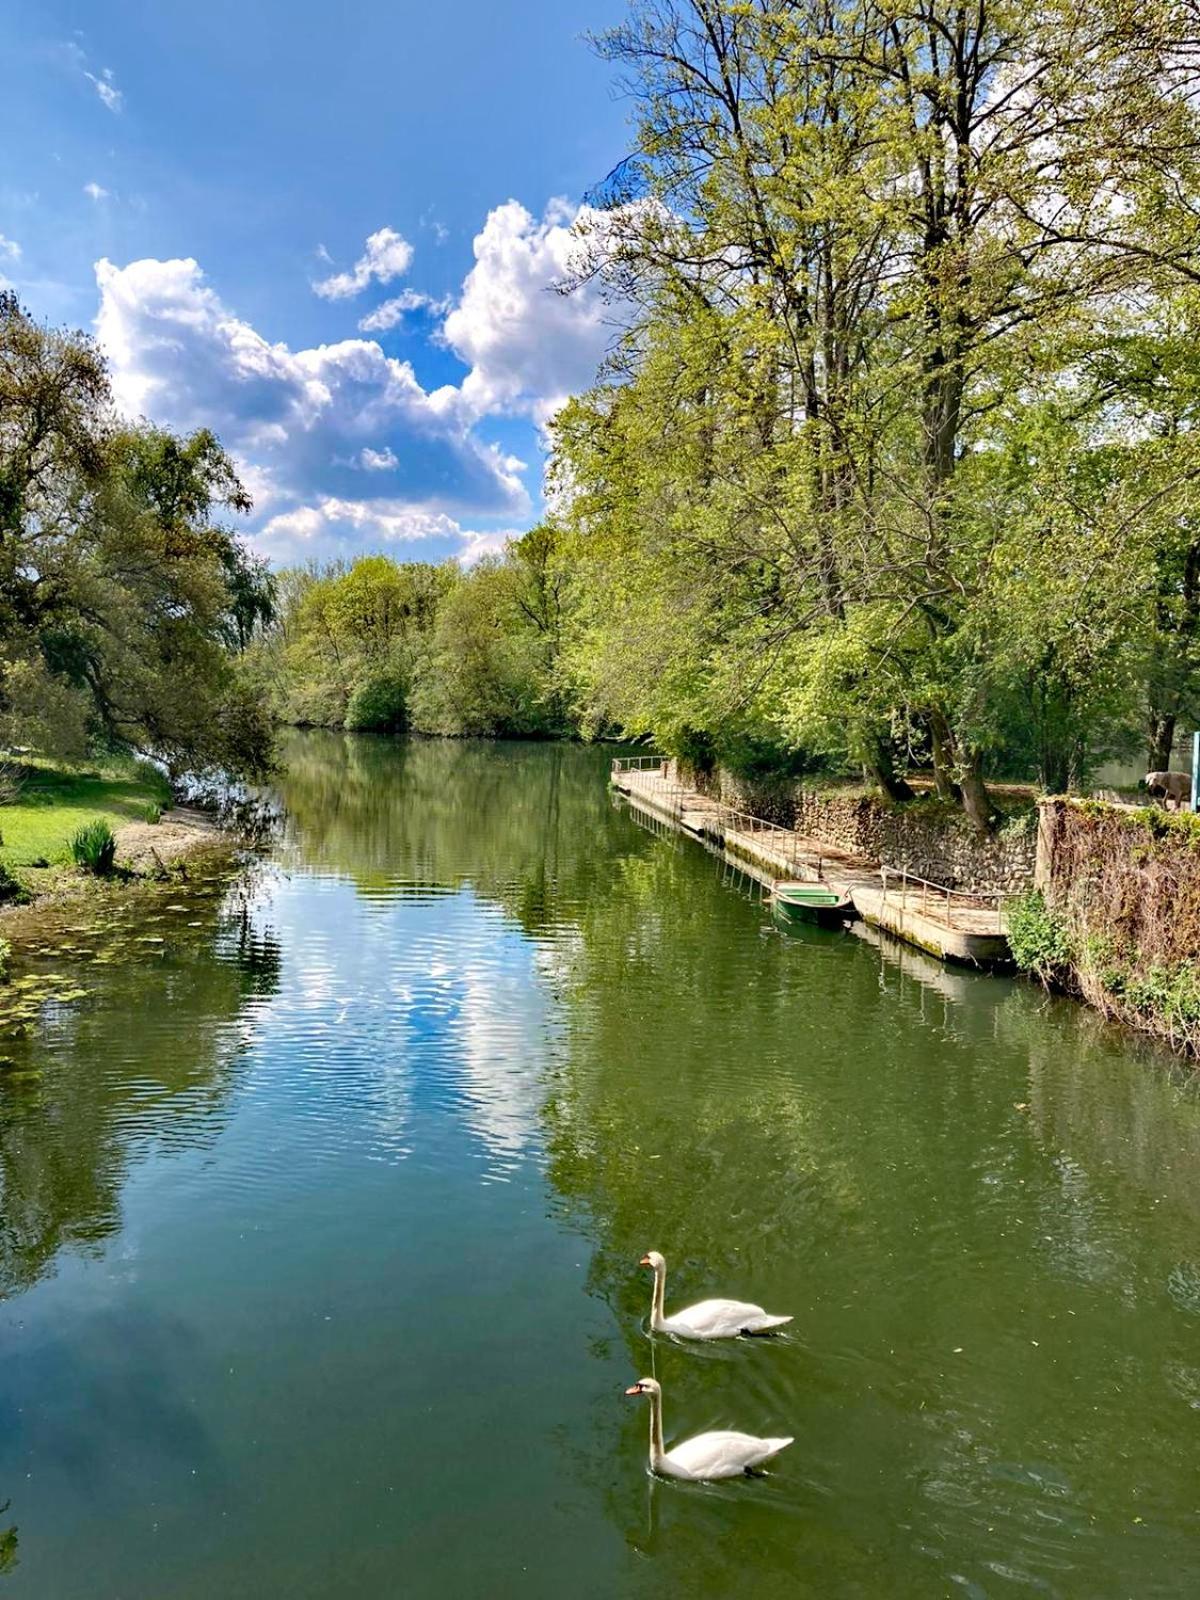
478 545
304 424
390 312
95 191
341 527
9 249
387 255
528 347
340 444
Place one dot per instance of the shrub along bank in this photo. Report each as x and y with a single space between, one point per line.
1114 916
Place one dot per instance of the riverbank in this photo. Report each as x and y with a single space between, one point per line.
1100 902
157 844
159 854
167 878
44 803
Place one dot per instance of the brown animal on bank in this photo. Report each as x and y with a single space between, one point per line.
1168 787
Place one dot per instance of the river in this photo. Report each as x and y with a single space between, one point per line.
320 1227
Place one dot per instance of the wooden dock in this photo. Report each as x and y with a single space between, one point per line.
951 926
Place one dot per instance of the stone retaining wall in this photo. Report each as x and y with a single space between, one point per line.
1126 876
925 837
1121 890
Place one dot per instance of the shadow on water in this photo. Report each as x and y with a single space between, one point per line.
321 1228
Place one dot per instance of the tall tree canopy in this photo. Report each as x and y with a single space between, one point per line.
883 431
123 599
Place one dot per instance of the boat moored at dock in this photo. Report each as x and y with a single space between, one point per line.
811 903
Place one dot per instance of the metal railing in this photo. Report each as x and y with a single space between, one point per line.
943 894
722 819
638 763
800 861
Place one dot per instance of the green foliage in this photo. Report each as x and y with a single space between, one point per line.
123 600
152 814
346 630
1040 941
916 481
8 1545
94 848
490 665
378 704
5 958
1168 994
12 890
1160 824
384 645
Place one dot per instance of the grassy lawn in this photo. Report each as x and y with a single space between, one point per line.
55 801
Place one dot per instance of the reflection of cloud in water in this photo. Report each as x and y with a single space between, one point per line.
396 1010
500 1027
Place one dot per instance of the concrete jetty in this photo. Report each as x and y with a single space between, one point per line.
953 927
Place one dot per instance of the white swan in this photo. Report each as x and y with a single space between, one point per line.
707 1319
708 1455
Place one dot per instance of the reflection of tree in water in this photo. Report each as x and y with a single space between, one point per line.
850 1090
685 1049
256 953
909 1164
870 1100
154 1056
521 823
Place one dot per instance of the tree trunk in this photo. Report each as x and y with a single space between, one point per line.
977 803
1052 772
880 769
942 744
960 773
1162 738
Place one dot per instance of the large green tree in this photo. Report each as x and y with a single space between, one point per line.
865 242
124 599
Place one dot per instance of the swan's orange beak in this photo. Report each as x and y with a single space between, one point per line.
645 1262
634 1388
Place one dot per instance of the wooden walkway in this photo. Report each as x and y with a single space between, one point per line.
950 926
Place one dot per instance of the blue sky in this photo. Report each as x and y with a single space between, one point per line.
327 230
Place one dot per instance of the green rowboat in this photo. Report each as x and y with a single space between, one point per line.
812 902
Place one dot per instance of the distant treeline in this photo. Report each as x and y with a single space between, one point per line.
388 646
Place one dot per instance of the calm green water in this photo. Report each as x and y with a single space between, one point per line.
320 1224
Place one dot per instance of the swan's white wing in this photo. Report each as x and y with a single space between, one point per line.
721 1319
719 1455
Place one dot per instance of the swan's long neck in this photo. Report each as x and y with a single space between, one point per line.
656 1431
657 1312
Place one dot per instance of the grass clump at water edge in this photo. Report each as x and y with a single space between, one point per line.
94 848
